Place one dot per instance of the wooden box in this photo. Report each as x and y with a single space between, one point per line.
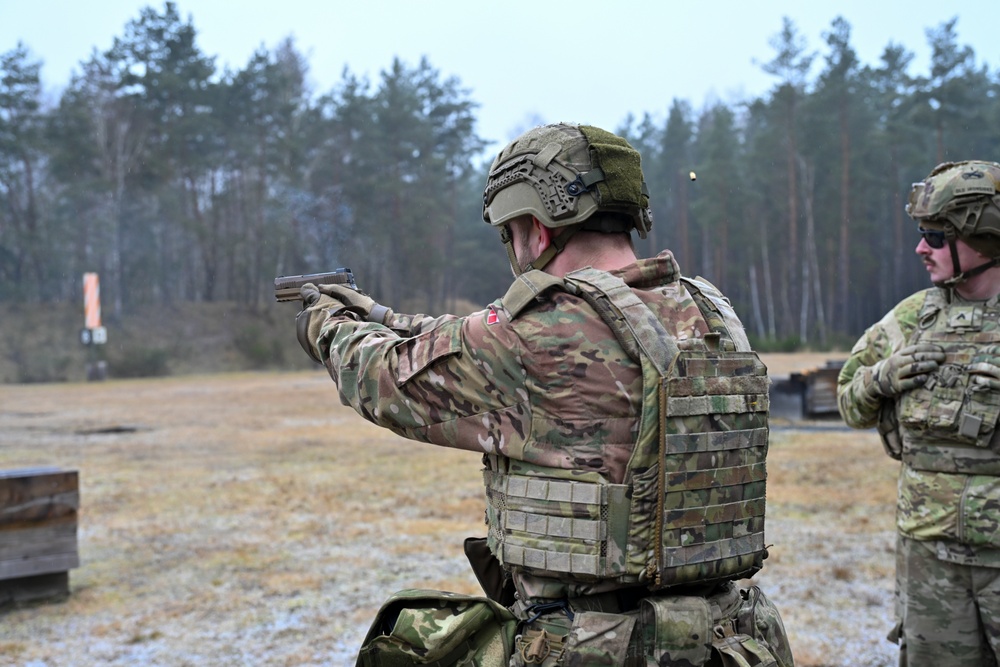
38 526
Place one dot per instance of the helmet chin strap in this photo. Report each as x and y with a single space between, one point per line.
507 238
555 247
961 276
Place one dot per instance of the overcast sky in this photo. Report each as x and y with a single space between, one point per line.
583 61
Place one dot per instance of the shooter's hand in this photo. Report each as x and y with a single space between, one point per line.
348 299
322 301
309 321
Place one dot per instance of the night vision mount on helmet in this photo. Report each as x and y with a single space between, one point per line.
575 176
961 199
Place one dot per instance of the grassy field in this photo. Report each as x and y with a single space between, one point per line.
250 519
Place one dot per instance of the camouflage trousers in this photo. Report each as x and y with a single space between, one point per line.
948 613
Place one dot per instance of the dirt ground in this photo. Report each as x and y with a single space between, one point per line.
250 519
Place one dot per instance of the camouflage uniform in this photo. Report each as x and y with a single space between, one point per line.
550 387
948 556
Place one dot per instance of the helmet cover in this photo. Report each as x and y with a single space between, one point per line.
563 174
961 197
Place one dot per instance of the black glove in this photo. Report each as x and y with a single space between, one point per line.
906 369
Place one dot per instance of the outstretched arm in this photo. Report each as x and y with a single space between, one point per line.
456 383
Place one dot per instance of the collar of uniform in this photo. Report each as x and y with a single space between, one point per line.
651 272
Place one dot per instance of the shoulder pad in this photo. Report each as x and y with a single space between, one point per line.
707 295
919 307
529 287
935 300
932 297
702 286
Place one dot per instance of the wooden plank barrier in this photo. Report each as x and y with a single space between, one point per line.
38 526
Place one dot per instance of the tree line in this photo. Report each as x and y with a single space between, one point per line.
180 182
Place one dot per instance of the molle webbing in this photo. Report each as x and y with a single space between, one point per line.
949 423
692 508
584 536
709 505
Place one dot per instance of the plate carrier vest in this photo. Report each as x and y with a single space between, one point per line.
691 508
948 424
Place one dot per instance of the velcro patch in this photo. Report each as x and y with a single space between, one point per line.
492 318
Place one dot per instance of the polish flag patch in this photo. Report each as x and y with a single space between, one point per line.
492 318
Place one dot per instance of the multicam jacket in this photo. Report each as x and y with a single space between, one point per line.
949 483
551 387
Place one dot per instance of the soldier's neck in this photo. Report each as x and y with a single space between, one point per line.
983 287
605 260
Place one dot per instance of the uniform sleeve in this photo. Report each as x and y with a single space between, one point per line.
858 403
458 382
414 325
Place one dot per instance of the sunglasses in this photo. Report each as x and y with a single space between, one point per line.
933 238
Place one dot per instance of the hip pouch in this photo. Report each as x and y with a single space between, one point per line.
426 627
696 630
592 638
731 628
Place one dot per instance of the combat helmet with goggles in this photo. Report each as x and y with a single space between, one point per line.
577 177
960 200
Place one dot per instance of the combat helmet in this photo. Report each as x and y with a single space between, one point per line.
577 177
962 200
